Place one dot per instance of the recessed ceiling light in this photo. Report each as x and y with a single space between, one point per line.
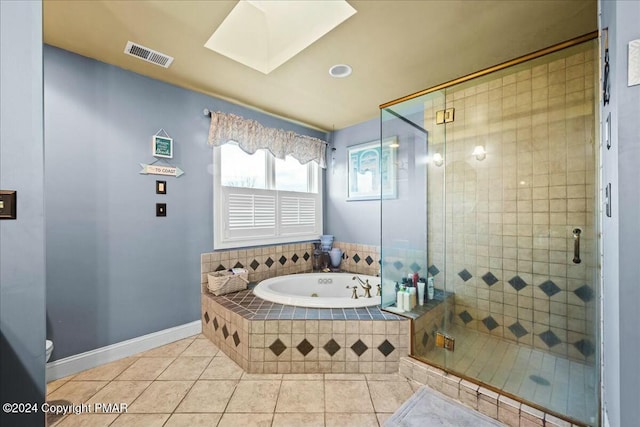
340 70
264 34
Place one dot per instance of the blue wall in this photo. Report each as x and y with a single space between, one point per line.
114 270
354 221
22 263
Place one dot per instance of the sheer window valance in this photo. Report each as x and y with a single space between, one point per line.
252 136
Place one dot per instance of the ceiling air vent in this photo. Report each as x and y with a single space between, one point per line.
148 55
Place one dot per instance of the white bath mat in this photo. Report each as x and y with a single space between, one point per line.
428 408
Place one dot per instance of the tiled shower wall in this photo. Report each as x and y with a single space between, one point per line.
509 218
278 260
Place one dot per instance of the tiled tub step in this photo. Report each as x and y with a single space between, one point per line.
429 408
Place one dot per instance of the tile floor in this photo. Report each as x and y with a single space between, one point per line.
559 384
191 383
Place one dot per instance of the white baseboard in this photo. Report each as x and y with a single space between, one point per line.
90 359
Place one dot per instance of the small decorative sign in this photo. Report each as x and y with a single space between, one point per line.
161 170
162 146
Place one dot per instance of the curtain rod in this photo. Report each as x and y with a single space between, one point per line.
207 113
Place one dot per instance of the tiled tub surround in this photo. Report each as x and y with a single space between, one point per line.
509 218
279 260
265 337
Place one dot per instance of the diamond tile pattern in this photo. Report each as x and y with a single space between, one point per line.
220 268
206 317
238 265
465 275
282 260
359 347
386 348
304 347
306 256
369 260
398 265
236 338
517 283
584 292
490 279
331 347
216 325
549 338
585 347
518 330
295 258
490 323
415 267
277 347
356 258
225 331
465 316
433 270
425 339
254 264
269 262
549 288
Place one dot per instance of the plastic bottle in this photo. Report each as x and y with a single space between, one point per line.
430 288
406 301
413 297
421 286
400 299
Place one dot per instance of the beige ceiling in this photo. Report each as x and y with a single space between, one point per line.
395 48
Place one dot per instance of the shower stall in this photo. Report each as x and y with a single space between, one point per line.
495 198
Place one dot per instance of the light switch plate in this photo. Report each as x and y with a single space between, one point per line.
634 63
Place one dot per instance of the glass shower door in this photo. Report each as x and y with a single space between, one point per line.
413 233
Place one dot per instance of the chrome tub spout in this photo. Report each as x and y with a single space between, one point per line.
365 285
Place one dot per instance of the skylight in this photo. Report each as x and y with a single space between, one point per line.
264 34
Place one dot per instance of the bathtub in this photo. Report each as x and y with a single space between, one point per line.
319 290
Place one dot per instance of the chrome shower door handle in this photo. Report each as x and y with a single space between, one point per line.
576 245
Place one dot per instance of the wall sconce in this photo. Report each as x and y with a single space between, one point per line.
437 159
479 152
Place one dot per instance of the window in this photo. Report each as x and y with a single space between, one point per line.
261 200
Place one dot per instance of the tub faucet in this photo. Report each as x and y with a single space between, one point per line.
365 285
354 292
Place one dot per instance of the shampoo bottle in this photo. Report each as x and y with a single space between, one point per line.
421 286
430 288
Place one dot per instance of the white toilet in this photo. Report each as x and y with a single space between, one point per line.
49 349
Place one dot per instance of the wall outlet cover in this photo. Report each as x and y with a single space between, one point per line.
634 63
161 209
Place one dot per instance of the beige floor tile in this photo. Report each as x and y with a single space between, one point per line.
202 348
248 376
351 420
345 377
193 420
146 368
383 417
308 377
77 391
185 368
298 420
347 396
56 384
161 397
222 368
385 377
254 396
120 392
301 396
105 372
140 420
88 420
388 396
174 349
245 420
208 396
